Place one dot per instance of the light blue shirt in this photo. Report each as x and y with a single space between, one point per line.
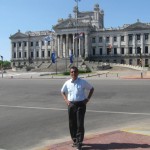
76 89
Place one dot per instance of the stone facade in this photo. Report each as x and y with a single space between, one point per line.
84 36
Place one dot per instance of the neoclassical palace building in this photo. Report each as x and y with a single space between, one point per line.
83 35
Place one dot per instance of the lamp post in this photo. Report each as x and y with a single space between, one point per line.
77 36
2 65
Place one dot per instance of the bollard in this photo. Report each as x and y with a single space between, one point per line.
106 74
11 77
31 77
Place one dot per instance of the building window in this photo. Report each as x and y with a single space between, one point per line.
93 40
25 54
146 36
14 44
31 44
14 54
130 61
107 39
130 37
19 44
19 54
122 50
122 38
115 51
25 43
146 49
101 51
139 62
48 43
122 61
138 37
42 43
130 50
138 50
146 62
108 51
37 54
114 61
94 51
32 54
43 54
49 54
115 39
37 43
100 39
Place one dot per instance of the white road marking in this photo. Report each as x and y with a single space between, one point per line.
94 111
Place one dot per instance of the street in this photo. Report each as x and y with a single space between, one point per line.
33 112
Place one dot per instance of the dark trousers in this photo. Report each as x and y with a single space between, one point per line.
76 112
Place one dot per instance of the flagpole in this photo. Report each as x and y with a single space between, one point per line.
77 31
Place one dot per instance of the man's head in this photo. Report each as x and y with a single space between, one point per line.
74 72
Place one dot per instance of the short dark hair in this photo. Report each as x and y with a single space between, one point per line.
74 68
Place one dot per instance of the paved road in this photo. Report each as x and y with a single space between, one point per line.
34 114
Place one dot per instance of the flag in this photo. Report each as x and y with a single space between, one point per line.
110 46
48 38
79 35
53 57
71 58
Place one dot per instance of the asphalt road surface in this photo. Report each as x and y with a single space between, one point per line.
33 113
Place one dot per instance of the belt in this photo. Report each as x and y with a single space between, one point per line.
77 102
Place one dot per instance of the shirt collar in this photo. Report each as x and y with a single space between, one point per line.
73 81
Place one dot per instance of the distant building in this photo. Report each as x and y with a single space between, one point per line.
84 36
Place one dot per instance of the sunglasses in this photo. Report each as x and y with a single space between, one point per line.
73 71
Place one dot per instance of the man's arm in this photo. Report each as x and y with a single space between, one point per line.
65 98
90 95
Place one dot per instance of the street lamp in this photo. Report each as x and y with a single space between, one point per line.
77 30
2 65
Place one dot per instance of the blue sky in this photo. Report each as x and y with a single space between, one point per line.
38 15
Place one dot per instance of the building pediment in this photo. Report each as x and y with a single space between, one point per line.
137 26
70 23
18 35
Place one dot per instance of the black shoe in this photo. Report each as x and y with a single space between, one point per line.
74 144
79 146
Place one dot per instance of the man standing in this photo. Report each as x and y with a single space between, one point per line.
73 92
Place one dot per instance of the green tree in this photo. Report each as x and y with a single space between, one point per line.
6 64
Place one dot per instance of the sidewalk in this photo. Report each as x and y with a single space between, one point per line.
116 140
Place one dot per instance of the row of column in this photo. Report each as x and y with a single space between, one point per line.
28 49
68 44
134 43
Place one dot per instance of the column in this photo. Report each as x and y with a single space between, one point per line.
58 45
134 44
40 47
34 53
17 50
104 46
73 44
80 47
67 46
126 44
22 50
61 46
142 43
86 46
46 48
